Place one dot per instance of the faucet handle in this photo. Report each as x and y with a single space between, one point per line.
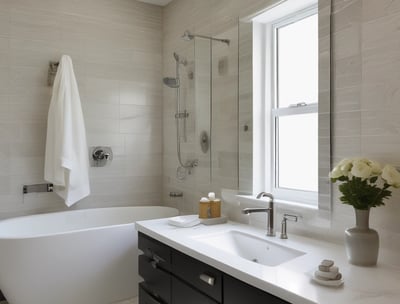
290 217
287 217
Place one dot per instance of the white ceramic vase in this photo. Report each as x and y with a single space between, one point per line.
362 242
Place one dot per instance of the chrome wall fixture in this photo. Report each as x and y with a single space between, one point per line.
37 188
204 142
176 194
100 156
53 66
187 35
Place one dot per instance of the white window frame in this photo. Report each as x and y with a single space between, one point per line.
269 148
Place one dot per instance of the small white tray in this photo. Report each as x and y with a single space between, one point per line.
214 221
184 221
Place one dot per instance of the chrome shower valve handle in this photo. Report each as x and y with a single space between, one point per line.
100 156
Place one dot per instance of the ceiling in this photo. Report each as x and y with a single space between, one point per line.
157 2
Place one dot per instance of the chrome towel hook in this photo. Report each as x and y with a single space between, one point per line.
53 66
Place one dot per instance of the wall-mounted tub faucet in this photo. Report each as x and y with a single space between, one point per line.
269 211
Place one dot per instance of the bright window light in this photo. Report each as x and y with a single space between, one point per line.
297 62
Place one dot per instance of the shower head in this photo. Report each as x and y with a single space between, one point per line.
187 36
171 82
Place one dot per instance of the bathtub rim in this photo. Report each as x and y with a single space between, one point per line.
96 228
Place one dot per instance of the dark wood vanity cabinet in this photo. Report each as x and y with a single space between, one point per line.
238 292
200 276
172 277
154 268
182 293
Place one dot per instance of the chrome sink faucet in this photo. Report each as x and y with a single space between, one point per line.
269 211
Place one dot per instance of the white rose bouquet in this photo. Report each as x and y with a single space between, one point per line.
365 183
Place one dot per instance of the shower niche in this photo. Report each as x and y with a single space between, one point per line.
204 99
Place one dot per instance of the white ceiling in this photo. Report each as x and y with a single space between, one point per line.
157 2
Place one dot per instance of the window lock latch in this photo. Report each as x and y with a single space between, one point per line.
299 104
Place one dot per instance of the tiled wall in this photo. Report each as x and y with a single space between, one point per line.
366 99
116 48
365 104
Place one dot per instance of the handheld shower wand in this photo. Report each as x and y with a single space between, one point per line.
175 83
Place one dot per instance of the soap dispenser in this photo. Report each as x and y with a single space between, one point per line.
204 208
215 205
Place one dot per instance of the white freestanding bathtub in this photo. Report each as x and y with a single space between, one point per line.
72 257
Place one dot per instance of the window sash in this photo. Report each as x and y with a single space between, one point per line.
289 194
295 195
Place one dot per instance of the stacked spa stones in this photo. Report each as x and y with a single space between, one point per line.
328 274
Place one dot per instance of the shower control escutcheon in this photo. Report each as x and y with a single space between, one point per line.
204 142
100 156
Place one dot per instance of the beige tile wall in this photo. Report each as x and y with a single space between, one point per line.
116 48
365 85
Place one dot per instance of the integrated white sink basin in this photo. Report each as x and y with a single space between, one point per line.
250 247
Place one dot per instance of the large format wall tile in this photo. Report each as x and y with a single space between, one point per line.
116 49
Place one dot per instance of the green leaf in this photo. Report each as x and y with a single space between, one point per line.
373 180
361 194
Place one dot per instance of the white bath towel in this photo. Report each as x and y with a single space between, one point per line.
67 157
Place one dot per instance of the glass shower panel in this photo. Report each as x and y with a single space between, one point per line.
202 83
224 111
245 108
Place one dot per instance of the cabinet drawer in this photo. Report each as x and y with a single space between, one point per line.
145 297
157 280
184 294
201 276
238 292
155 250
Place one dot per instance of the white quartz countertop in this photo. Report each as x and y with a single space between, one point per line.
292 280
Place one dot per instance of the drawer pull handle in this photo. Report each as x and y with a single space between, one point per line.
157 258
207 279
149 253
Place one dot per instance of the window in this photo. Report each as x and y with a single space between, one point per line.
295 108
291 102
